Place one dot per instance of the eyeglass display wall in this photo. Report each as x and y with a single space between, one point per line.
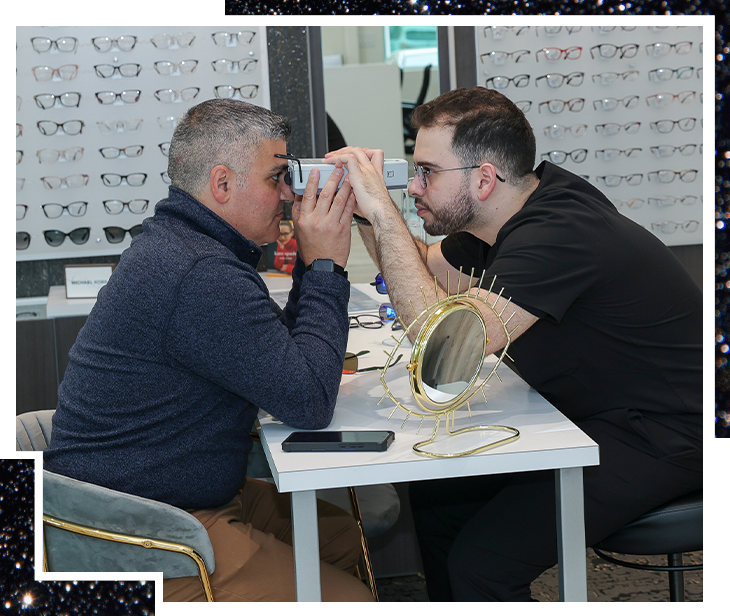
96 108
619 106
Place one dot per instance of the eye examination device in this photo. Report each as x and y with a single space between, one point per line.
395 172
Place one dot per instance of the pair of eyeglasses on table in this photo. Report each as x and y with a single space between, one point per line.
351 363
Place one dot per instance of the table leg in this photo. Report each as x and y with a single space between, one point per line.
305 535
571 534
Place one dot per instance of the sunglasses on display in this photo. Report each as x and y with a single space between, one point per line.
115 235
77 236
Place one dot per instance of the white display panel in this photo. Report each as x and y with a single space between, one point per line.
170 69
612 76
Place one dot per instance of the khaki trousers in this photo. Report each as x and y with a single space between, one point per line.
254 558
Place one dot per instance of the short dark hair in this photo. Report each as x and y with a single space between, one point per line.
488 127
219 132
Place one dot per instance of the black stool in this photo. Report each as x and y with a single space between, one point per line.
671 529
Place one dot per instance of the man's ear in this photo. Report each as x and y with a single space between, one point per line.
221 183
487 181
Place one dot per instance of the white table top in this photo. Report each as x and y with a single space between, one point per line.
548 440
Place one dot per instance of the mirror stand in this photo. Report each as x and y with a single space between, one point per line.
446 362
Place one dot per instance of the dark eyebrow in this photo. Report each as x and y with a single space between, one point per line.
429 165
279 168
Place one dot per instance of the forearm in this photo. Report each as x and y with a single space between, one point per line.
402 261
368 238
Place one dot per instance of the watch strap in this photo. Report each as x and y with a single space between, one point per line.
326 265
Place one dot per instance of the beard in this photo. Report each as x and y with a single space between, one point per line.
452 217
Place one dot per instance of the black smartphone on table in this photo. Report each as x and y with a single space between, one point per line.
346 440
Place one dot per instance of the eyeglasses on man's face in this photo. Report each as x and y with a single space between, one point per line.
421 173
77 236
56 210
19 240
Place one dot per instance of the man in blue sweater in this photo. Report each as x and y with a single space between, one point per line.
184 345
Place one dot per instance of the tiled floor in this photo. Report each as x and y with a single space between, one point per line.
606 582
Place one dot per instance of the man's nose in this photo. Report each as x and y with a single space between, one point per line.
287 194
415 188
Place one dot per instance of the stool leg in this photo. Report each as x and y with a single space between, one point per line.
676 578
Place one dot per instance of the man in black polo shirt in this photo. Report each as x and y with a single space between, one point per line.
609 332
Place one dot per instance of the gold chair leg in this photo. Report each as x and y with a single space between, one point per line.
365 551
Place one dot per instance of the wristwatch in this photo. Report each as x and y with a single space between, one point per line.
326 265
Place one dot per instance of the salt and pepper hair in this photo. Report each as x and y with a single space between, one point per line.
220 132
488 127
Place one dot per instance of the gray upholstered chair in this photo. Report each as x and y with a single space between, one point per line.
91 528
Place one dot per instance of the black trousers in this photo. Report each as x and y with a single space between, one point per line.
487 538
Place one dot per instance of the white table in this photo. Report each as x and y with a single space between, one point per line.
548 440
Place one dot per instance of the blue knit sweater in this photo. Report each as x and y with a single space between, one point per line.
182 348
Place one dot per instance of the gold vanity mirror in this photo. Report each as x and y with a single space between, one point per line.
447 361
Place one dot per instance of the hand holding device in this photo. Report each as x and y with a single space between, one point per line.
369 171
323 222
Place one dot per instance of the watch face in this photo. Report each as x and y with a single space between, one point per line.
323 265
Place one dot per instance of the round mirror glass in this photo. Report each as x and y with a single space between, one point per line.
453 356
